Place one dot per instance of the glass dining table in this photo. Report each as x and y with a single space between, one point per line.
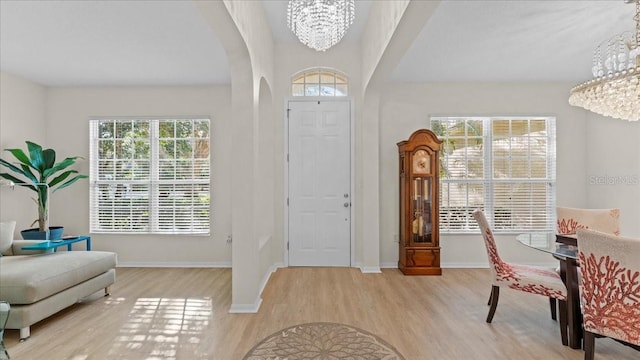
566 251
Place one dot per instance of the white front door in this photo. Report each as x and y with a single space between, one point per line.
319 183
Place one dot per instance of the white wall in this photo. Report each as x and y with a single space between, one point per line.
407 107
391 29
291 59
22 117
613 169
244 33
588 146
68 111
383 19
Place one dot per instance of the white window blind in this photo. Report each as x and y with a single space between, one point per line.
504 165
150 176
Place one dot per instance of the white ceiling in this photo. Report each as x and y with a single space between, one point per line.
88 43
98 43
515 40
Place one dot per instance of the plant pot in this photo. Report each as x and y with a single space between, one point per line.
55 233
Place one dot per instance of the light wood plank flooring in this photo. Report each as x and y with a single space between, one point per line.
183 314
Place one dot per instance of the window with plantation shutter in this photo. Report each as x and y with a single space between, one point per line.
505 165
150 176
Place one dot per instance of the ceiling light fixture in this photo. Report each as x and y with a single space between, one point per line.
615 91
320 24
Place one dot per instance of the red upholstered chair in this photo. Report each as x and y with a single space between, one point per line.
610 288
531 279
603 220
571 219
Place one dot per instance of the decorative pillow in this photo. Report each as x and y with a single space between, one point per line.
6 235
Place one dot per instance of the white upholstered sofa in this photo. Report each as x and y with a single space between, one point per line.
38 285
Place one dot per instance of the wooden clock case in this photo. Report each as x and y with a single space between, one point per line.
419 235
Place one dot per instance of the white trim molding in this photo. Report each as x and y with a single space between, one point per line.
246 308
267 275
370 269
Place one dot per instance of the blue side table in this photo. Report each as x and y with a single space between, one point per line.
53 245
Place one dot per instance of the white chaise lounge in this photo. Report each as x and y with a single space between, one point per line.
38 285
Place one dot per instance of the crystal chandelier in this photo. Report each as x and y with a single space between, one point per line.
615 91
320 24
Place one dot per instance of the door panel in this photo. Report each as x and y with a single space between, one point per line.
319 183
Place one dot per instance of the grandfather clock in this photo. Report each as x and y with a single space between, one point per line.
419 236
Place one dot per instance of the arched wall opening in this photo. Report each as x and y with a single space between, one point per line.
264 172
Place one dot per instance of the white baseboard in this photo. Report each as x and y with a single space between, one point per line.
367 269
253 308
267 276
464 266
394 265
186 264
246 308
370 269
486 266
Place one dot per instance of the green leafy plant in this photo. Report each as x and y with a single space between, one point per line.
38 168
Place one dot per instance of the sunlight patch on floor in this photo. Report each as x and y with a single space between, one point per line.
157 327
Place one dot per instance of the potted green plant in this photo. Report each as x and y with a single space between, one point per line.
41 174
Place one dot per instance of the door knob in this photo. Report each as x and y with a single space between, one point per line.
346 204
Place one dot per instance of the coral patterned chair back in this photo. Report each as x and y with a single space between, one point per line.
610 287
496 264
603 220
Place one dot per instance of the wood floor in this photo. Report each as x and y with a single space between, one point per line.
183 314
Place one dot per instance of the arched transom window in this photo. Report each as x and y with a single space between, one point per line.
319 82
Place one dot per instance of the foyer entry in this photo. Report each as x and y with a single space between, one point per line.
319 182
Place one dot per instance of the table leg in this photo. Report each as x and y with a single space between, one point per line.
569 273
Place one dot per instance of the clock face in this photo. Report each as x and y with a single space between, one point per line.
421 164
